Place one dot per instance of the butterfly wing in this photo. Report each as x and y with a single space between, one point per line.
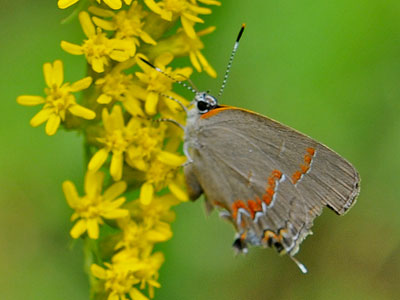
269 180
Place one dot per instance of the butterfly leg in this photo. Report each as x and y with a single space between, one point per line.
187 154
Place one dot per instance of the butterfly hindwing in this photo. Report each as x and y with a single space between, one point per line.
270 180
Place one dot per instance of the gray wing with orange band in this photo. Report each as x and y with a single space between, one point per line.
271 180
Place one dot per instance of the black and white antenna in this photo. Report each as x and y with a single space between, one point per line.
190 88
228 68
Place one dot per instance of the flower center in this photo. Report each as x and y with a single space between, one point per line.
117 141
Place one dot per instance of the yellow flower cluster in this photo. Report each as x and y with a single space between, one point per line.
132 154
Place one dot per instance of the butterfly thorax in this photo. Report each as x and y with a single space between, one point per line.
202 103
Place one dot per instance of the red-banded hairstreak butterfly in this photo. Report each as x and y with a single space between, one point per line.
270 181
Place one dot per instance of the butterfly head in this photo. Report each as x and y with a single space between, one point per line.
204 102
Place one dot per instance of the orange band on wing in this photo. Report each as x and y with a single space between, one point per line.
216 111
255 205
235 207
304 168
270 190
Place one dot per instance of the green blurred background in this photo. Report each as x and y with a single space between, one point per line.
330 69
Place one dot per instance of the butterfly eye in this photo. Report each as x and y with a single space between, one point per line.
203 106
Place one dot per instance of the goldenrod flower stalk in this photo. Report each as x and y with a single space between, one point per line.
128 147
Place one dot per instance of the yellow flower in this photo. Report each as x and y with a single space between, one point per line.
149 274
119 87
59 99
140 237
146 267
127 270
117 139
128 25
148 139
114 4
158 210
163 172
158 83
187 10
91 209
194 46
119 280
98 49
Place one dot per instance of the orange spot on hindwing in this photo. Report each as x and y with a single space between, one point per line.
304 168
256 205
235 207
275 239
275 176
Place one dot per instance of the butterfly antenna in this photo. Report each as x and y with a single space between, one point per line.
190 88
228 68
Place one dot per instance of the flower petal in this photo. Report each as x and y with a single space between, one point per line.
105 115
151 103
163 59
207 67
52 124
188 27
78 229
110 205
48 74
178 192
117 118
41 117
114 4
98 65
208 30
98 271
104 24
29 100
93 228
58 72
171 159
115 213
87 25
135 294
70 193
98 159
101 12
114 296
117 161
153 6
200 10
120 55
93 183
80 85
147 38
195 61
71 48
66 3
115 190
104 99
82 112
210 2
146 193
133 106
193 18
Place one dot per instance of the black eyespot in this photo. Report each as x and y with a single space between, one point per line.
203 106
